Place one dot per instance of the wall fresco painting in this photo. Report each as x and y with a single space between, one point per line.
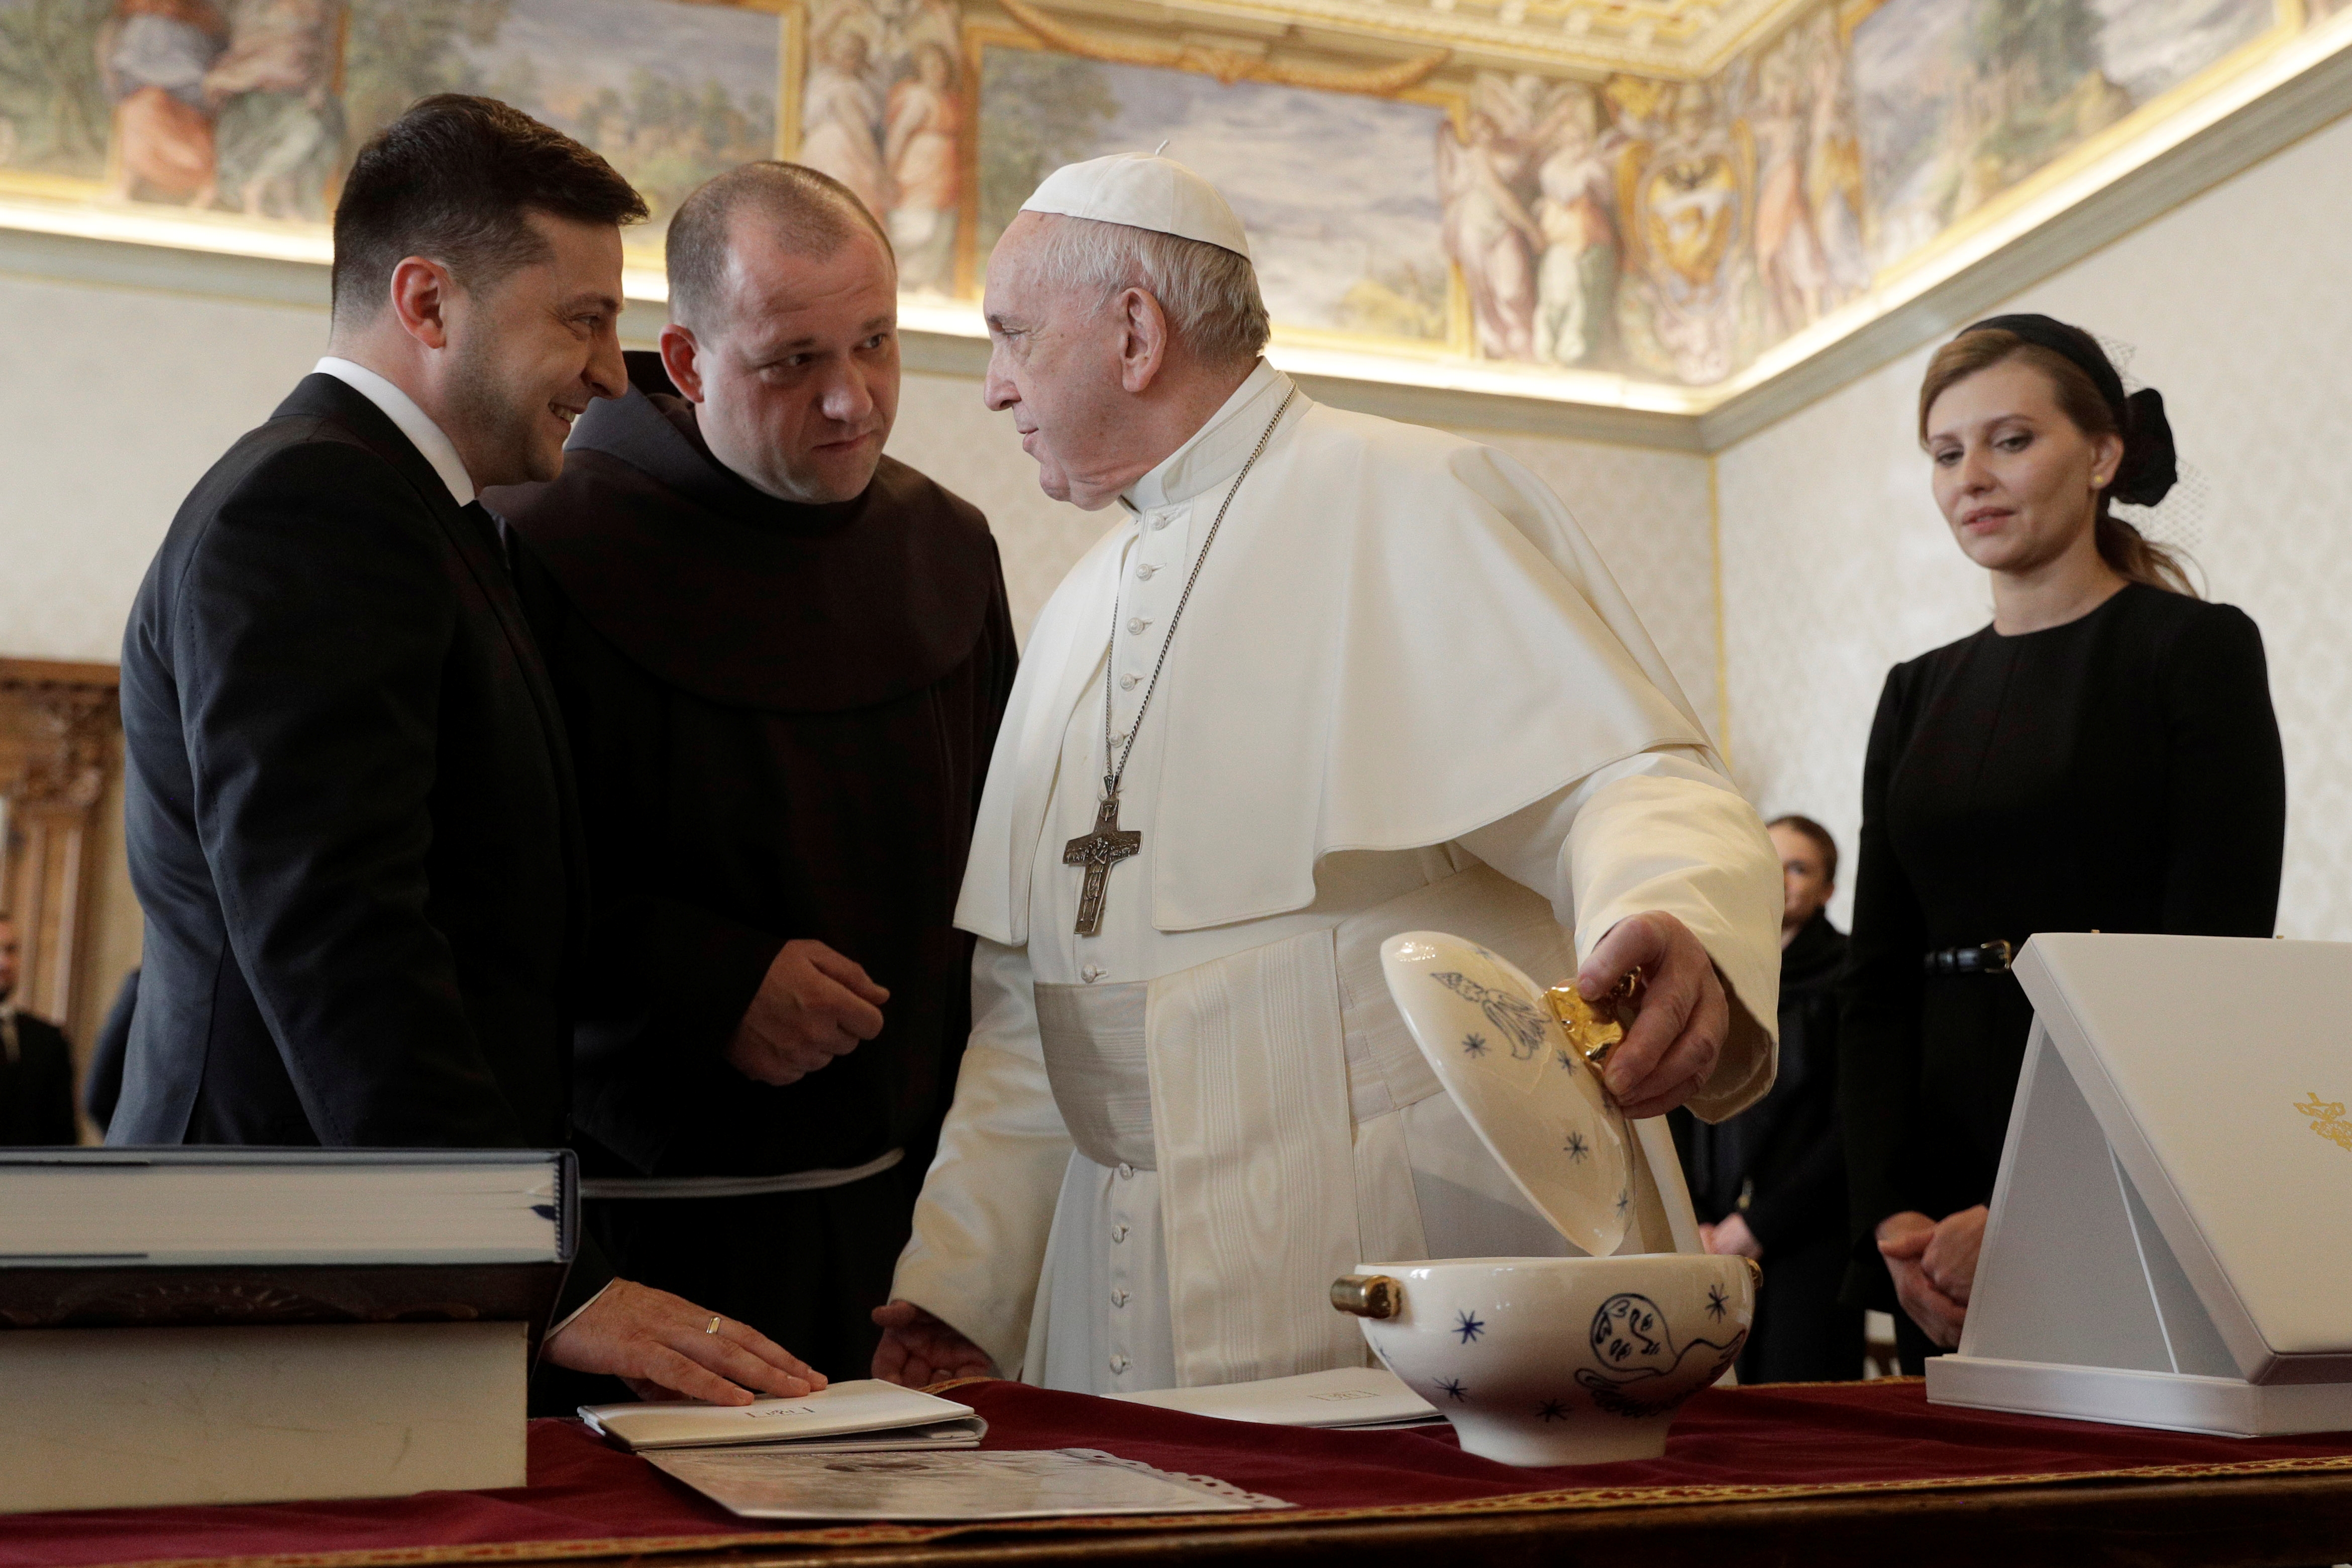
1339 192
1960 101
884 111
251 109
670 93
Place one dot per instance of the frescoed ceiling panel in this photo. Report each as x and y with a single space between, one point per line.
1675 40
1648 205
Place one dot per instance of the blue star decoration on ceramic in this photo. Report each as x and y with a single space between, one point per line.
1576 1148
1552 1410
1717 1303
1474 1045
1451 1388
1566 1063
1625 1200
1470 1327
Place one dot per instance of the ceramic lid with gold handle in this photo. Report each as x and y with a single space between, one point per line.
1523 1064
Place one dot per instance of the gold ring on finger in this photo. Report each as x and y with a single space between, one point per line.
714 1320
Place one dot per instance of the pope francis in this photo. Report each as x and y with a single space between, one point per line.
1329 679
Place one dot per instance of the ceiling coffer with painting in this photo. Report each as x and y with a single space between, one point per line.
1580 195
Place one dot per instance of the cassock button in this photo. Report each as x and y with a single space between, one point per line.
1135 627
1125 1171
1092 973
1143 572
1127 681
1119 1298
1118 1232
1118 1363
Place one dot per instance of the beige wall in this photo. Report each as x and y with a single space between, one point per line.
114 400
1837 566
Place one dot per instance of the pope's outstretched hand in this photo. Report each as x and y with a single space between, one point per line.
666 1347
1672 1046
917 1349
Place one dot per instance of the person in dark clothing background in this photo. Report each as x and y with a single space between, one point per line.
1770 1183
37 1069
2103 757
782 658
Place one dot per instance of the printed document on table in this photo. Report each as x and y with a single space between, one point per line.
1046 1483
1343 1396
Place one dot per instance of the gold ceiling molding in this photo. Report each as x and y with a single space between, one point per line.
1673 39
1228 65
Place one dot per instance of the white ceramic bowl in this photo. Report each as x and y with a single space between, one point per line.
1560 1361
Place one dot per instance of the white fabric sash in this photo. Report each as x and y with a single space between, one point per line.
1097 1064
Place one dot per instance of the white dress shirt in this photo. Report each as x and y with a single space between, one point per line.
412 421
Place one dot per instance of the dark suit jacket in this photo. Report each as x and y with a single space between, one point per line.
349 807
101 1085
37 1098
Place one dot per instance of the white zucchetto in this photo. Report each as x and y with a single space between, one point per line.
1142 191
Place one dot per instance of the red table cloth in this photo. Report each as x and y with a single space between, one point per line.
1782 1440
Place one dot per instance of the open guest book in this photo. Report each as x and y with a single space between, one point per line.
215 1325
865 1415
2165 1242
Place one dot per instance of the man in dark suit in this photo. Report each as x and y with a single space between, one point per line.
1770 1183
36 1073
350 804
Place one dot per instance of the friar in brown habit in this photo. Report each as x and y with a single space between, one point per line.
782 657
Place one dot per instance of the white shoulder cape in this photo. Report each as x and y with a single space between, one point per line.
1400 636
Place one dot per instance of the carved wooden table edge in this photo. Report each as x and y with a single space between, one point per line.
2256 1521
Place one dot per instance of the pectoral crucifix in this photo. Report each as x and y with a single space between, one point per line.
1098 852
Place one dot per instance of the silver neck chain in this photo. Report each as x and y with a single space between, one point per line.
1114 771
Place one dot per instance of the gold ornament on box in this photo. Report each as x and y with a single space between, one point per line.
2327 1120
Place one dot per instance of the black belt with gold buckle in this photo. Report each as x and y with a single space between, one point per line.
1986 958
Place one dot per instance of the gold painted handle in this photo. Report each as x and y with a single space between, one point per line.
1368 1295
1593 1030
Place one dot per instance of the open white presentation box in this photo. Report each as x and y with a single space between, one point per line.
2170 1239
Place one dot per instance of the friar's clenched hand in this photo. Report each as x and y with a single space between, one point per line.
1672 1046
815 1006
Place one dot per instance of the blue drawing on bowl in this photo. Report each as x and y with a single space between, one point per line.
1577 1149
1451 1388
1470 1327
1625 1200
1629 1331
1474 1045
1717 1303
1515 1017
1643 1376
1552 1410
1566 1063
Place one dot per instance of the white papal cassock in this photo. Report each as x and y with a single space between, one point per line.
1406 694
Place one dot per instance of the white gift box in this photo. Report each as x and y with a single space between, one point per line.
2170 1237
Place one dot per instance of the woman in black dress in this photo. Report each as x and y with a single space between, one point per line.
2102 758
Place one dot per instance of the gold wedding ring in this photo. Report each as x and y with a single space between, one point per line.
714 1320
